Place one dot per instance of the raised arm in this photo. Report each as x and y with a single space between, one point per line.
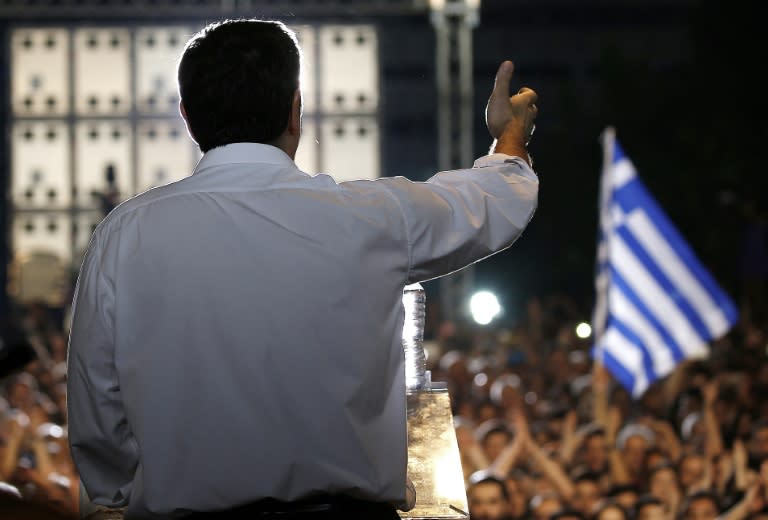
459 217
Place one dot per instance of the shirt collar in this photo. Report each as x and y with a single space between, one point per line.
243 153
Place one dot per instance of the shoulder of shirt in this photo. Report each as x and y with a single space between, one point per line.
186 186
135 202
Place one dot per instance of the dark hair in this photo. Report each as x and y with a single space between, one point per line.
618 489
489 427
703 494
593 430
489 479
611 504
237 79
586 476
646 500
661 467
567 513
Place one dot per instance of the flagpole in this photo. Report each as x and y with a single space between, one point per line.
599 315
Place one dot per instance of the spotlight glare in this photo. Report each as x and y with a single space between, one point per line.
583 330
484 306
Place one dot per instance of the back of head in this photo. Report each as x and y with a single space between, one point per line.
237 79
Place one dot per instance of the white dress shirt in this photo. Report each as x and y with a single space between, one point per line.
237 334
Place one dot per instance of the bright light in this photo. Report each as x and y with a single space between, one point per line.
437 5
583 330
484 306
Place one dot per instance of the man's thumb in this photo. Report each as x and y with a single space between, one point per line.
503 78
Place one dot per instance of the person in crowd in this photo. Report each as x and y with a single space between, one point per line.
567 514
663 484
626 495
702 505
587 494
488 499
518 503
691 469
611 510
648 507
543 505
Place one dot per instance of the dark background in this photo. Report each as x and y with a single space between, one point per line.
680 80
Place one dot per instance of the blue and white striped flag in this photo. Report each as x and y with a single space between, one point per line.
656 303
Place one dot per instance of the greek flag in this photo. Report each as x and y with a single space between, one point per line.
656 304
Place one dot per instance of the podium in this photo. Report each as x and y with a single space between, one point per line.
434 463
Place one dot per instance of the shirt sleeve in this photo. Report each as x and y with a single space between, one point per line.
102 445
459 217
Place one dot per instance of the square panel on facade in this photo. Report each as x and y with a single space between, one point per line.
350 148
40 79
42 254
104 170
157 51
40 165
165 153
102 71
349 69
48 232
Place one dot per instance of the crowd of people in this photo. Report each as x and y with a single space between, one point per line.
544 432
35 464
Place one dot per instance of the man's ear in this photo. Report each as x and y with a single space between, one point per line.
294 121
183 113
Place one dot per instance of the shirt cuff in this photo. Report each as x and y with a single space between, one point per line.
495 159
501 159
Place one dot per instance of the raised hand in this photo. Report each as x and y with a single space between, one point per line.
510 114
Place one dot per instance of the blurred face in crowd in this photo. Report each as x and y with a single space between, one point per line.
486 501
20 395
542 507
664 486
517 498
494 443
653 401
633 453
58 347
650 512
557 365
458 372
701 509
486 412
654 458
691 470
626 499
611 513
594 453
586 496
541 485
759 442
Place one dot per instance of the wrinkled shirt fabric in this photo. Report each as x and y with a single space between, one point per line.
236 335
